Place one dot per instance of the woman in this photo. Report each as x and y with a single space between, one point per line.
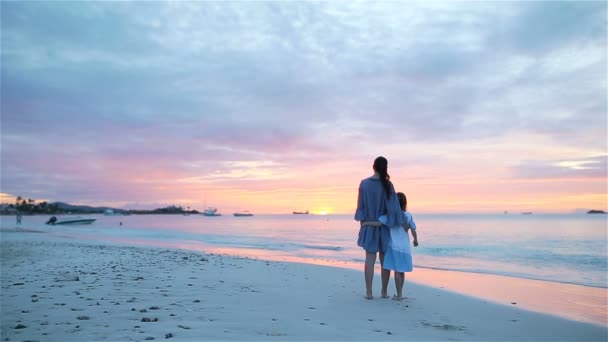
376 198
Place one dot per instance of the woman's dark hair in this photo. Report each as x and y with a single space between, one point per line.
402 200
381 166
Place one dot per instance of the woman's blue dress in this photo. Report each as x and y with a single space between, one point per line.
372 203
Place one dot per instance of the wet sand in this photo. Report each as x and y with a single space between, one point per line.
58 290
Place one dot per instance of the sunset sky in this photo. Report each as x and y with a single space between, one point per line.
281 106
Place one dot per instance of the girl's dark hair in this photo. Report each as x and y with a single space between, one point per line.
402 200
381 166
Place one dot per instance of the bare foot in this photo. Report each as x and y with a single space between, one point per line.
369 297
384 295
395 297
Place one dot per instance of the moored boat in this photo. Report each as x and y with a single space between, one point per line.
211 212
243 213
71 220
300 212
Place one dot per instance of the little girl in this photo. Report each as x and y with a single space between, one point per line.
398 257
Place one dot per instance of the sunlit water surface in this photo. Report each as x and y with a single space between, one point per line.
559 248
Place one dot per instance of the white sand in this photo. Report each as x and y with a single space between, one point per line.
56 290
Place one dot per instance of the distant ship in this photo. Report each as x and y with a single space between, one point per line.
300 212
527 213
243 213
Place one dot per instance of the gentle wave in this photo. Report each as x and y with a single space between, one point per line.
251 241
510 274
553 257
329 248
260 243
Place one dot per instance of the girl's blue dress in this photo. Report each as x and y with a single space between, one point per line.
398 256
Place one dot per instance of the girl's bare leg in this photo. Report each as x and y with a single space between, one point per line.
399 280
396 275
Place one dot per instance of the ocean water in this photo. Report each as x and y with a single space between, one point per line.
566 248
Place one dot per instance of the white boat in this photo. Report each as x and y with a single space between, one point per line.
211 212
243 213
71 220
111 212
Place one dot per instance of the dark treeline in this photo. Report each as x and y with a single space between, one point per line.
31 207
166 210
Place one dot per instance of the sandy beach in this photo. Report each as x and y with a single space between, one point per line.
59 290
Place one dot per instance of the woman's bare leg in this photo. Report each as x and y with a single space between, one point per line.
370 261
386 276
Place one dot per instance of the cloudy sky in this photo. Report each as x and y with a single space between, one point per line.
281 106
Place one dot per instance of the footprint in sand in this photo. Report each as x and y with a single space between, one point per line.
443 326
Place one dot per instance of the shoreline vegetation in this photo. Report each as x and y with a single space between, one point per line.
32 207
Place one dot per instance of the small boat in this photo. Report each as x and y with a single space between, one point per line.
111 212
527 213
72 220
300 212
211 212
243 213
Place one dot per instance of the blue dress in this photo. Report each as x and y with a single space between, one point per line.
398 256
371 204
